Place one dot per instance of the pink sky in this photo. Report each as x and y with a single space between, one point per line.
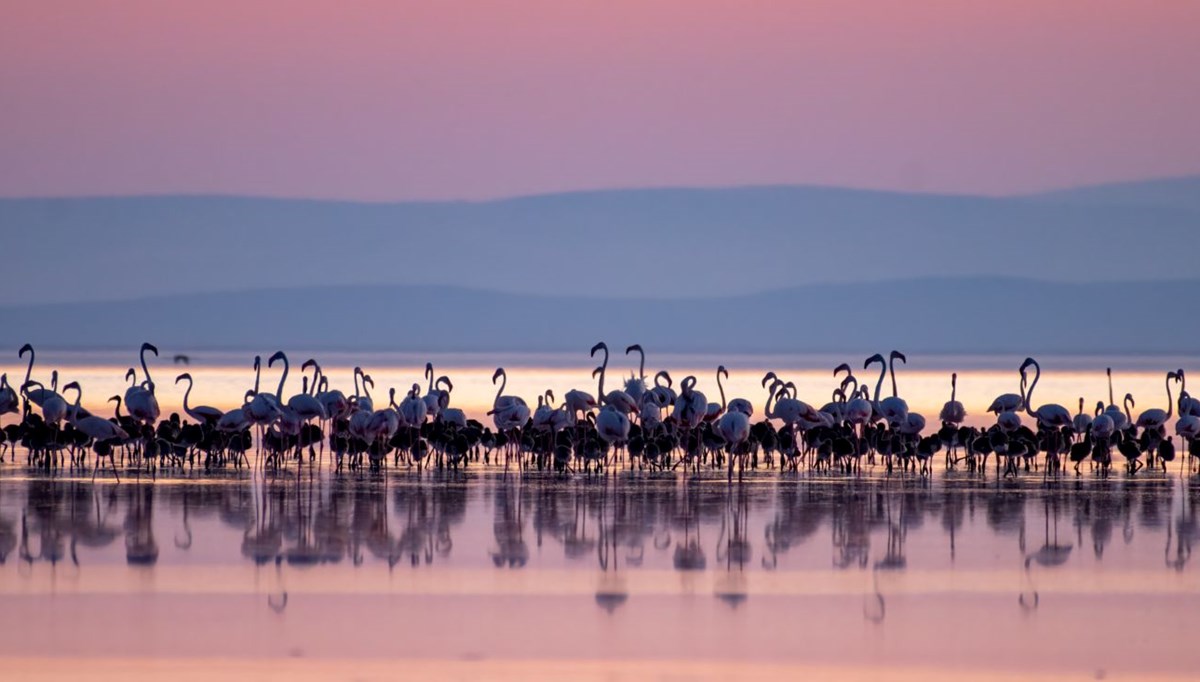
399 100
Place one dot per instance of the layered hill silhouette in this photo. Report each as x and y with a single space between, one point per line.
650 243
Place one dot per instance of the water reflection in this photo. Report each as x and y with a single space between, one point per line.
615 527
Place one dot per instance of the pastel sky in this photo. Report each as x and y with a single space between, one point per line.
389 100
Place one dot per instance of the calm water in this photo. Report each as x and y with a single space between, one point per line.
310 575
951 576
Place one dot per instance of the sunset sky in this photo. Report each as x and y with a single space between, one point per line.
429 100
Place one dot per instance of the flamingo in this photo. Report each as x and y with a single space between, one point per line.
140 402
413 408
1120 418
508 412
1082 421
620 400
636 386
734 428
96 428
1187 404
544 411
690 406
793 411
1155 419
203 414
1009 402
737 404
8 397
236 419
101 432
894 409
307 406
1050 415
27 348
334 401
612 425
54 407
435 398
260 411
953 411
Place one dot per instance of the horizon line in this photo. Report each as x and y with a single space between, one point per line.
614 189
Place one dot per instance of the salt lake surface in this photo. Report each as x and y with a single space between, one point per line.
312 575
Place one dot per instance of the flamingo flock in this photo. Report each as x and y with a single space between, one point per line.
642 425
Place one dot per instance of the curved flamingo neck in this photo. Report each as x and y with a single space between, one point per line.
188 392
282 379
1029 395
500 391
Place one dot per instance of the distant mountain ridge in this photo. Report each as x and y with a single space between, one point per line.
934 315
648 243
1178 193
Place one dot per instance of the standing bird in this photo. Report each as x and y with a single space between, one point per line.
1050 415
1188 406
894 409
690 406
1155 419
953 411
307 406
140 401
413 408
8 397
635 386
1082 421
508 412
734 429
620 400
203 414
1120 419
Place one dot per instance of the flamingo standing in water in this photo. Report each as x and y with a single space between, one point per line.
620 400
1050 415
953 411
894 409
1155 419
203 414
140 401
636 386
8 397
101 432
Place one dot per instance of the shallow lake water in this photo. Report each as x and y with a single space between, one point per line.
629 574
307 574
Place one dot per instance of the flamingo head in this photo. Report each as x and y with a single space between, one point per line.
599 347
277 356
636 346
499 373
311 362
897 355
183 376
149 347
873 359
1030 361
24 349
769 376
